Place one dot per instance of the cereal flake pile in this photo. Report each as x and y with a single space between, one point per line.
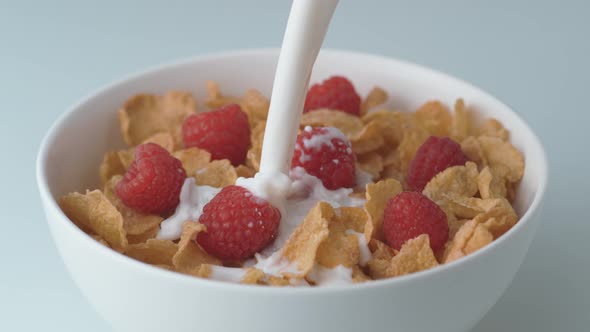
438 185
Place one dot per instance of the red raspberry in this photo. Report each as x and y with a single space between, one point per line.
224 132
325 152
434 156
153 181
411 214
335 93
239 224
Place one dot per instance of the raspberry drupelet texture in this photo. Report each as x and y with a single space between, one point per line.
411 214
434 156
326 153
153 181
224 132
335 93
239 224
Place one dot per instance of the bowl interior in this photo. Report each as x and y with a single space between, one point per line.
74 148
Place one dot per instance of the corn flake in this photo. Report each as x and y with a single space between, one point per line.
415 255
493 128
434 117
378 194
218 173
371 163
143 237
412 139
302 246
189 257
134 222
155 252
453 181
348 124
462 125
110 166
503 157
94 213
215 99
253 276
470 237
377 96
146 114
368 139
393 124
193 159
341 247
245 171
491 185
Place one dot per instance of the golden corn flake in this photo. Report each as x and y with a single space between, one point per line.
462 125
453 181
341 247
358 275
146 114
126 157
189 257
392 123
100 240
155 252
255 151
245 171
473 150
302 246
376 97
218 173
203 271
115 163
470 237
134 222
255 105
415 255
252 276
491 185
110 166
348 124
94 213
498 219
493 128
277 281
193 159
454 226
368 139
434 117
378 194
502 156
412 140
469 207
143 237
163 139
371 163
215 99
392 172
381 250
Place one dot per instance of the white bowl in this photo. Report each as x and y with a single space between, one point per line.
133 296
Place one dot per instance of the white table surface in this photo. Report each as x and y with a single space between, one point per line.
533 55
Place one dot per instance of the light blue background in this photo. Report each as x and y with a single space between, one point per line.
531 54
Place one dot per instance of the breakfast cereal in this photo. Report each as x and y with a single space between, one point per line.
323 236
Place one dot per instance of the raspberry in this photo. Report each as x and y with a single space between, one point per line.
325 152
224 132
411 214
153 181
434 156
239 224
335 93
